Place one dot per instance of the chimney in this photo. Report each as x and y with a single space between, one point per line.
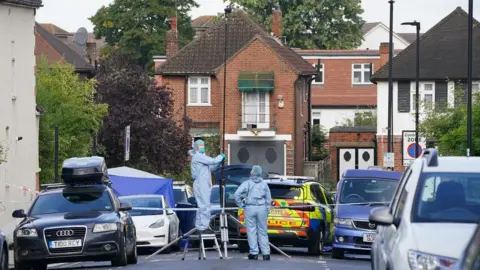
277 21
384 53
172 38
91 52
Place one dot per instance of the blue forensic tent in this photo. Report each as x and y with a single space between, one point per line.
128 181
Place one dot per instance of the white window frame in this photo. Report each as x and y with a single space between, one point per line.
422 93
265 125
365 67
198 87
315 116
322 70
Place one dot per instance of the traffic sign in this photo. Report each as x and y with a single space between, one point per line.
389 160
411 150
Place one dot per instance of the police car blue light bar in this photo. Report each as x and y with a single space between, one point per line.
84 170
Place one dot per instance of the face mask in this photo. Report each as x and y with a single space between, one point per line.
201 149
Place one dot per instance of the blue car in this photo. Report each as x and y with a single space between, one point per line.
358 192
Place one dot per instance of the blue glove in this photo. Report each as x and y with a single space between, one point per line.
223 156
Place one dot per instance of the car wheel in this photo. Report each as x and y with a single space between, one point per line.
22 266
338 253
316 247
4 259
169 240
133 257
243 246
121 258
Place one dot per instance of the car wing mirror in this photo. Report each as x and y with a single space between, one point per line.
381 216
125 206
19 213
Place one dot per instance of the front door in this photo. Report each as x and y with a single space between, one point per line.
354 158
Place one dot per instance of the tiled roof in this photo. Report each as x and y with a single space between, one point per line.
203 21
28 3
330 53
64 50
205 54
369 26
410 37
53 29
443 52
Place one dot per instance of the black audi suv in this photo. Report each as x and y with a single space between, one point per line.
72 223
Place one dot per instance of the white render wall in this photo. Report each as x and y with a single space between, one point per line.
401 120
378 35
330 118
17 111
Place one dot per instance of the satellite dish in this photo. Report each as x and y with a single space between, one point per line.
81 36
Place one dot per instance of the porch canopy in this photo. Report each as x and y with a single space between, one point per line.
262 81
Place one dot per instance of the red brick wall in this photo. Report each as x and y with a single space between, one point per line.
42 47
382 147
355 139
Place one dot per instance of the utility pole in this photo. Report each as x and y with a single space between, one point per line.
469 80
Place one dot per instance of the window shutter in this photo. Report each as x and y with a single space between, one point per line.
441 96
460 93
404 96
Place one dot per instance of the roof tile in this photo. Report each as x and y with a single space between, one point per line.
28 3
205 54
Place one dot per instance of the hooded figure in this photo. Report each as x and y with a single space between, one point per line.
254 195
202 167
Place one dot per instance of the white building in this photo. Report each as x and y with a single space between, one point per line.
376 32
443 67
18 116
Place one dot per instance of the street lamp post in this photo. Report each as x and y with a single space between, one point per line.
469 79
390 82
417 81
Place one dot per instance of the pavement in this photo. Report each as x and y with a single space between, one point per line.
299 260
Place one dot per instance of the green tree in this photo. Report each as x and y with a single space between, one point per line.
362 119
68 101
312 24
448 127
139 27
319 138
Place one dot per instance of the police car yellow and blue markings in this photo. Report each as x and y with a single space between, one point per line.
280 220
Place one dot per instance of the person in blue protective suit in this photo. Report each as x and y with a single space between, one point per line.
254 196
202 167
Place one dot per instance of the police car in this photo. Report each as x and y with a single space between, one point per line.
79 220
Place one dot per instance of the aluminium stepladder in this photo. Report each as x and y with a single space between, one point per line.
201 250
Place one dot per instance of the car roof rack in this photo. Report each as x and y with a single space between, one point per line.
431 156
46 187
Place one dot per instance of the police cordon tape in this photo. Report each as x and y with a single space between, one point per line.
271 207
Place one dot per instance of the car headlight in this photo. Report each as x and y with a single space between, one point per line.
105 227
27 233
423 261
157 224
343 221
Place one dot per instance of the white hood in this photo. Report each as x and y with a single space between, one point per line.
444 239
145 221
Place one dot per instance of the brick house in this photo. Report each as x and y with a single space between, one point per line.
56 50
267 96
443 67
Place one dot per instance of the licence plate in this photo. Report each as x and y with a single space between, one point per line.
65 243
276 212
369 237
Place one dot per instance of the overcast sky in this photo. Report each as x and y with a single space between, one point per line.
73 14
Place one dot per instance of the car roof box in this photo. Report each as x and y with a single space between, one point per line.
84 170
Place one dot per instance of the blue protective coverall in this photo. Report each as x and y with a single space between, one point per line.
202 167
257 200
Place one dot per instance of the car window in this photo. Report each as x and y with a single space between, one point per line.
144 205
229 192
72 201
367 191
286 192
329 197
401 204
471 259
447 197
179 195
317 194
400 188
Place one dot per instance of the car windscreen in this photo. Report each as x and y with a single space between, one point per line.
447 197
285 191
144 206
179 195
367 191
72 201
229 192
